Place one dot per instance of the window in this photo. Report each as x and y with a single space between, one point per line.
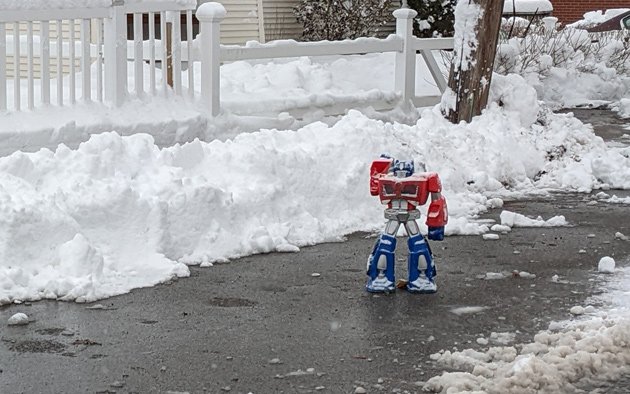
625 22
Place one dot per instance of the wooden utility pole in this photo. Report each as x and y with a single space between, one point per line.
169 53
473 61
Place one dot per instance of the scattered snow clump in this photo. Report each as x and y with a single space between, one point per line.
606 265
19 319
499 228
577 310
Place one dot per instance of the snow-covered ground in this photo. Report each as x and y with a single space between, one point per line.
590 348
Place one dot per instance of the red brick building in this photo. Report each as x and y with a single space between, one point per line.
568 11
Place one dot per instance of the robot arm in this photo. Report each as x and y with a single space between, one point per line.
437 216
379 167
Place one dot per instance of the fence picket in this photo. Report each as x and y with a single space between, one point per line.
176 51
3 67
44 55
152 52
86 60
99 60
16 67
138 54
164 53
30 92
59 64
189 41
72 57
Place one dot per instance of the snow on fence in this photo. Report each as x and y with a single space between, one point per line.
98 59
403 43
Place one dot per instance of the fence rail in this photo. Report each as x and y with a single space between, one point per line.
86 52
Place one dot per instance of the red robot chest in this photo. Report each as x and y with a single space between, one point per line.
412 189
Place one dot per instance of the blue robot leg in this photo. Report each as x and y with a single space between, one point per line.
421 268
380 266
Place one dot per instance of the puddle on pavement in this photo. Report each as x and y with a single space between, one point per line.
36 346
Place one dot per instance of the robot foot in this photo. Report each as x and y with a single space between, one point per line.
380 284
422 285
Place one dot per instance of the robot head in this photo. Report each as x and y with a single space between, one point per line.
402 169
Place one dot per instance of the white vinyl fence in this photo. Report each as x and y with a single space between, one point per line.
97 56
94 65
403 43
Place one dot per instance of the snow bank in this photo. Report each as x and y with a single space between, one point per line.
594 347
568 67
119 213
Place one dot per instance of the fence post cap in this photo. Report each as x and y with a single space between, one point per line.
211 12
405 13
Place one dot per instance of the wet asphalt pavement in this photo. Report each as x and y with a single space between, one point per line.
266 324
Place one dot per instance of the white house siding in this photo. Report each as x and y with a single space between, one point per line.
389 27
241 23
280 21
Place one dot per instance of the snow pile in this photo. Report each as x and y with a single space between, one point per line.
120 213
605 197
593 348
567 66
513 219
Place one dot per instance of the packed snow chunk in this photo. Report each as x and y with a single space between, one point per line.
494 275
621 236
577 310
464 310
490 237
482 341
606 265
523 274
516 97
502 338
287 248
500 228
624 108
19 319
513 219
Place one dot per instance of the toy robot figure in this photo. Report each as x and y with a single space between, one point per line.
402 191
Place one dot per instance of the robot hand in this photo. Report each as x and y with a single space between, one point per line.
436 233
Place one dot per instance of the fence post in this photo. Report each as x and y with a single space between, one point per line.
115 54
210 16
405 77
